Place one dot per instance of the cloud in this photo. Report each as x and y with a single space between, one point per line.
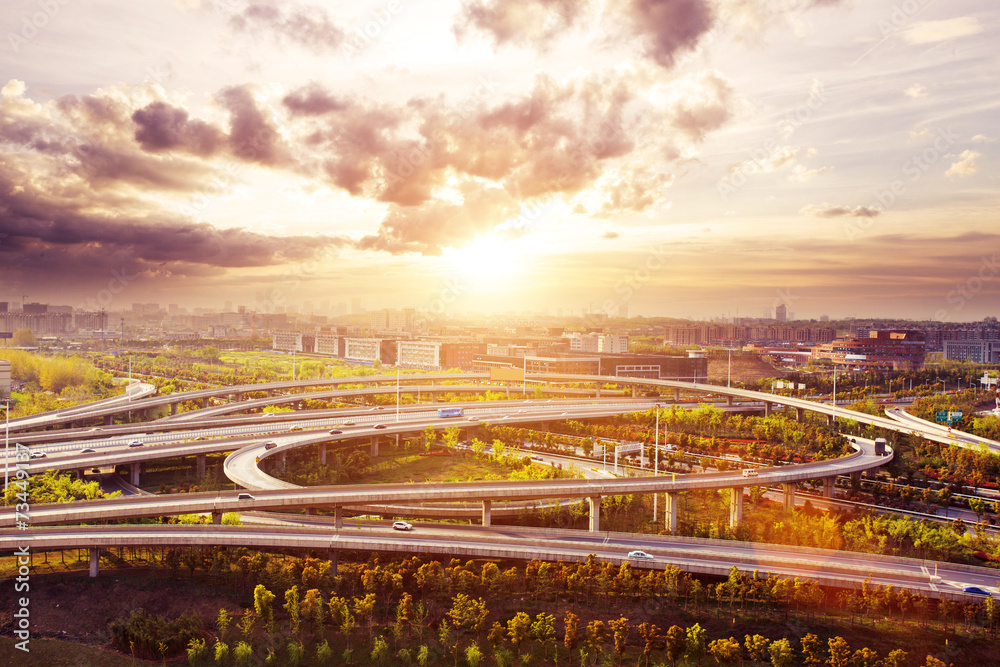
915 91
778 158
801 174
163 127
966 165
306 26
633 189
668 26
982 139
252 134
825 210
525 23
610 235
930 32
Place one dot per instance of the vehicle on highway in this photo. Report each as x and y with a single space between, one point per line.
749 472
245 496
642 555
975 590
348 423
38 455
96 428
135 443
379 425
880 447
444 413
201 437
87 451
335 431
536 457
401 525
270 445
473 419
377 407
294 428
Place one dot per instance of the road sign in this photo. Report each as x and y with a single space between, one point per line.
627 449
941 416
6 334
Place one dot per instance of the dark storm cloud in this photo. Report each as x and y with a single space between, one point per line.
669 26
163 127
307 26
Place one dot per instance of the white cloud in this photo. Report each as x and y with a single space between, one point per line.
929 32
827 210
982 139
916 90
966 164
801 174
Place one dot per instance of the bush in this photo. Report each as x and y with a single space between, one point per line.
141 634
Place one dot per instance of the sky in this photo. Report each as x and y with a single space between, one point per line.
680 158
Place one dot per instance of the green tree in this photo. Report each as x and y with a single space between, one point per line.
242 653
222 622
468 613
518 629
263 600
840 652
725 651
757 647
619 629
697 642
651 638
473 655
571 622
812 649
23 338
543 629
782 654
896 658
676 643
292 607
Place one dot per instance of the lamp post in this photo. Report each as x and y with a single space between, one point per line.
6 447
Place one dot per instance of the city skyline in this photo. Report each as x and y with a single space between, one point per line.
687 159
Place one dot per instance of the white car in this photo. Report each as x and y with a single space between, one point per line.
749 472
401 525
642 555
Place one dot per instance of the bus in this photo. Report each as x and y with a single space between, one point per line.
450 412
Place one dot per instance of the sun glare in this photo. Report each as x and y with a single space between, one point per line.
488 264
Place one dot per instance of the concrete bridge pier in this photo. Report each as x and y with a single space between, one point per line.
670 511
280 464
204 402
95 559
200 465
595 513
310 511
322 454
373 452
107 420
332 557
338 517
133 476
217 517
635 391
789 496
173 408
486 513
729 400
79 473
677 394
829 421
768 406
735 506
800 414
828 486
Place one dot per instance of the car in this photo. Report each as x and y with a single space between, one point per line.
348 423
377 407
401 525
976 590
564 414
335 431
38 455
749 472
270 445
642 555
135 443
294 428
201 437
96 471
87 451
96 428
473 419
245 496
379 425
536 457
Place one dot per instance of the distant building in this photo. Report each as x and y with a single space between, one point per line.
894 349
5 381
394 321
682 335
976 351
370 350
597 342
781 312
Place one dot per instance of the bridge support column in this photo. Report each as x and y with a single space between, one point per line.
133 476
598 390
79 473
204 402
635 390
800 414
200 464
829 421
107 420
595 513
332 556
338 517
310 511
280 464
856 480
322 454
95 559
216 517
173 408
828 485
735 506
374 447
768 406
670 511
729 401
486 513
789 496
677 394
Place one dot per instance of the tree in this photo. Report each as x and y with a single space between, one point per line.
597 634
466 612
263 600
312 608
781 652
247 622
757 647
222 622
518 629
676 643
572 624
23 338
292 607
696 642
840 652
473 655
651 638
812 649
725 651
865 657
895 658
620 630
543 628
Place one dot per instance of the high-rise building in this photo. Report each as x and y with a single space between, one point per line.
781 312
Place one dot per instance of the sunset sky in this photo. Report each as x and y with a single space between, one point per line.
684 158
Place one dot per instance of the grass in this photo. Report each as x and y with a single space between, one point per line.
422 468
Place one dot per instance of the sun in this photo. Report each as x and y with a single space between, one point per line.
488 263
